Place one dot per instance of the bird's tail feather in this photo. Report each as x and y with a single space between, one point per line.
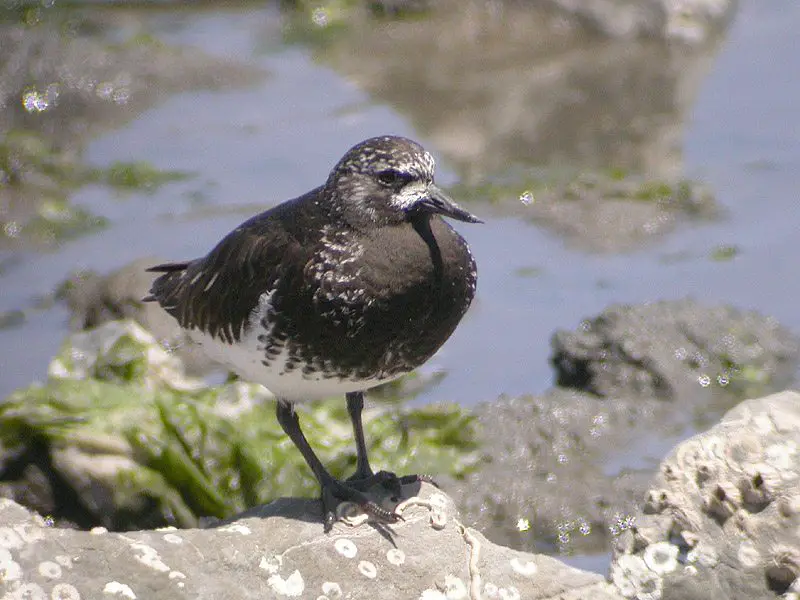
169 267
173 267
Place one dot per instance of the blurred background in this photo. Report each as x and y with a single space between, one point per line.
636 153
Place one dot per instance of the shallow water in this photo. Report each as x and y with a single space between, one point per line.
255 147
252 148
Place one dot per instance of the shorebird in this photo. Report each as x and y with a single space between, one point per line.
349 286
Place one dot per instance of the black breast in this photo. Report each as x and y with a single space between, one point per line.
375 303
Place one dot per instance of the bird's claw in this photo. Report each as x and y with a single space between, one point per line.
353 490
380 513
421 477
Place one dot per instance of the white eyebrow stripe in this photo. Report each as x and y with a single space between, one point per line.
410 194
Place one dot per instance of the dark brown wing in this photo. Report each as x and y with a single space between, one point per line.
217 293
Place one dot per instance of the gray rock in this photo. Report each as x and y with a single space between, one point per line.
565 471
280 551
689 21
616 212
546 482
94 299
722 517
673 349
721 521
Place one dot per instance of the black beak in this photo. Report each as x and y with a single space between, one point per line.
437 202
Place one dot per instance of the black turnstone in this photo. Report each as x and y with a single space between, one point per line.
351 285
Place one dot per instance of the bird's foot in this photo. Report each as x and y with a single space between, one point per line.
383 484
335 492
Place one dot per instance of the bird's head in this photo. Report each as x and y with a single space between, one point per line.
387 180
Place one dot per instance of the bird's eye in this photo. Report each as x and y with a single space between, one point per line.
391 178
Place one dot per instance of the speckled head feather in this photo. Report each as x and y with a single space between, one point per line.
380 180
386 152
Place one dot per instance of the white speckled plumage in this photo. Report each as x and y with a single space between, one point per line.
349 286
293 385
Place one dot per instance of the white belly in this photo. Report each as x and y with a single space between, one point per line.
244 358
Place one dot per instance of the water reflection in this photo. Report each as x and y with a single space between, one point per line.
495 87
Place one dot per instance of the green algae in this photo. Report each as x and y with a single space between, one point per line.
38 177
115 397
725 253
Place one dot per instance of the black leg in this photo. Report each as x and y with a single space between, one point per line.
365 477
333 490
355 405
290 424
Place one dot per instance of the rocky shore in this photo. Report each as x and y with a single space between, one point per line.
719 520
